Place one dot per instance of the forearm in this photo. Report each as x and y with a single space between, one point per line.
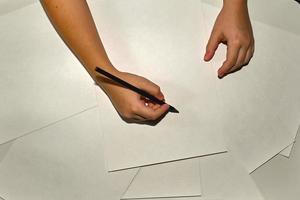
74 23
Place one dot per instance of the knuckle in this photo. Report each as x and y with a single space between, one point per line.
157 90
134 108
126 115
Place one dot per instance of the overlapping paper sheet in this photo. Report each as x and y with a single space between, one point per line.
260 112
173 179
144 38
41 82
64 161
222 178
280 178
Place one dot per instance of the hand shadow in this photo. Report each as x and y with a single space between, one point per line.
148 122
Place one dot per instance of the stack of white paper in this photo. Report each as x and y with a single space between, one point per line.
74 149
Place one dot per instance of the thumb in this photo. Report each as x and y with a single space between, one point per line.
212 46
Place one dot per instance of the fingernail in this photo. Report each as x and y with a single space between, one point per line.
220 74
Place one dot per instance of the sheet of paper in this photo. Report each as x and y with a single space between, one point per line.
269 12
223 177
41 82
280 177
64 161
260 103
7 6
287 151
151 43
4 149
174 179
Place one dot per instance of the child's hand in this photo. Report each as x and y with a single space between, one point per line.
131 106
233 28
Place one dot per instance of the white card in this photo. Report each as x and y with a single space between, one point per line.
280 177
64 161
151 43
41 82
223 177
260 102
174 179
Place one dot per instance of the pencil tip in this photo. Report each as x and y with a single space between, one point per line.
173 110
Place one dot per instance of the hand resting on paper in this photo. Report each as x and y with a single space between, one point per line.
131 106
233 28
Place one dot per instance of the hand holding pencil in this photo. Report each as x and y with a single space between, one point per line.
130 105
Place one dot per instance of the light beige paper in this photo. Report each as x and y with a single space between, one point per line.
41 82
4 149
174 179
64 161
280 177
223 177
160 41
260 103
7 6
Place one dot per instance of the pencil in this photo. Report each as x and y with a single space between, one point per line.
135 89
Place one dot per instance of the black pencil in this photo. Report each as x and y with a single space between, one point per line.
135 89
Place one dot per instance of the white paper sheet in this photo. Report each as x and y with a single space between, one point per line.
7 6
151 43
4 149
287 151
223 177
64 161
270 12
280 177
174 179
260 103
41 82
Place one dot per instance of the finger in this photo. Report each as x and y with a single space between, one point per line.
249 55
152 89
231 58
240 60
212 46
150 114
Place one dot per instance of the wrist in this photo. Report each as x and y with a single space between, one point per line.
235 4
102 80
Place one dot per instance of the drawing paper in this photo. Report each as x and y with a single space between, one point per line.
223 177
287 151
280 177
64 161
4 149
174 179
168 53
41 82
